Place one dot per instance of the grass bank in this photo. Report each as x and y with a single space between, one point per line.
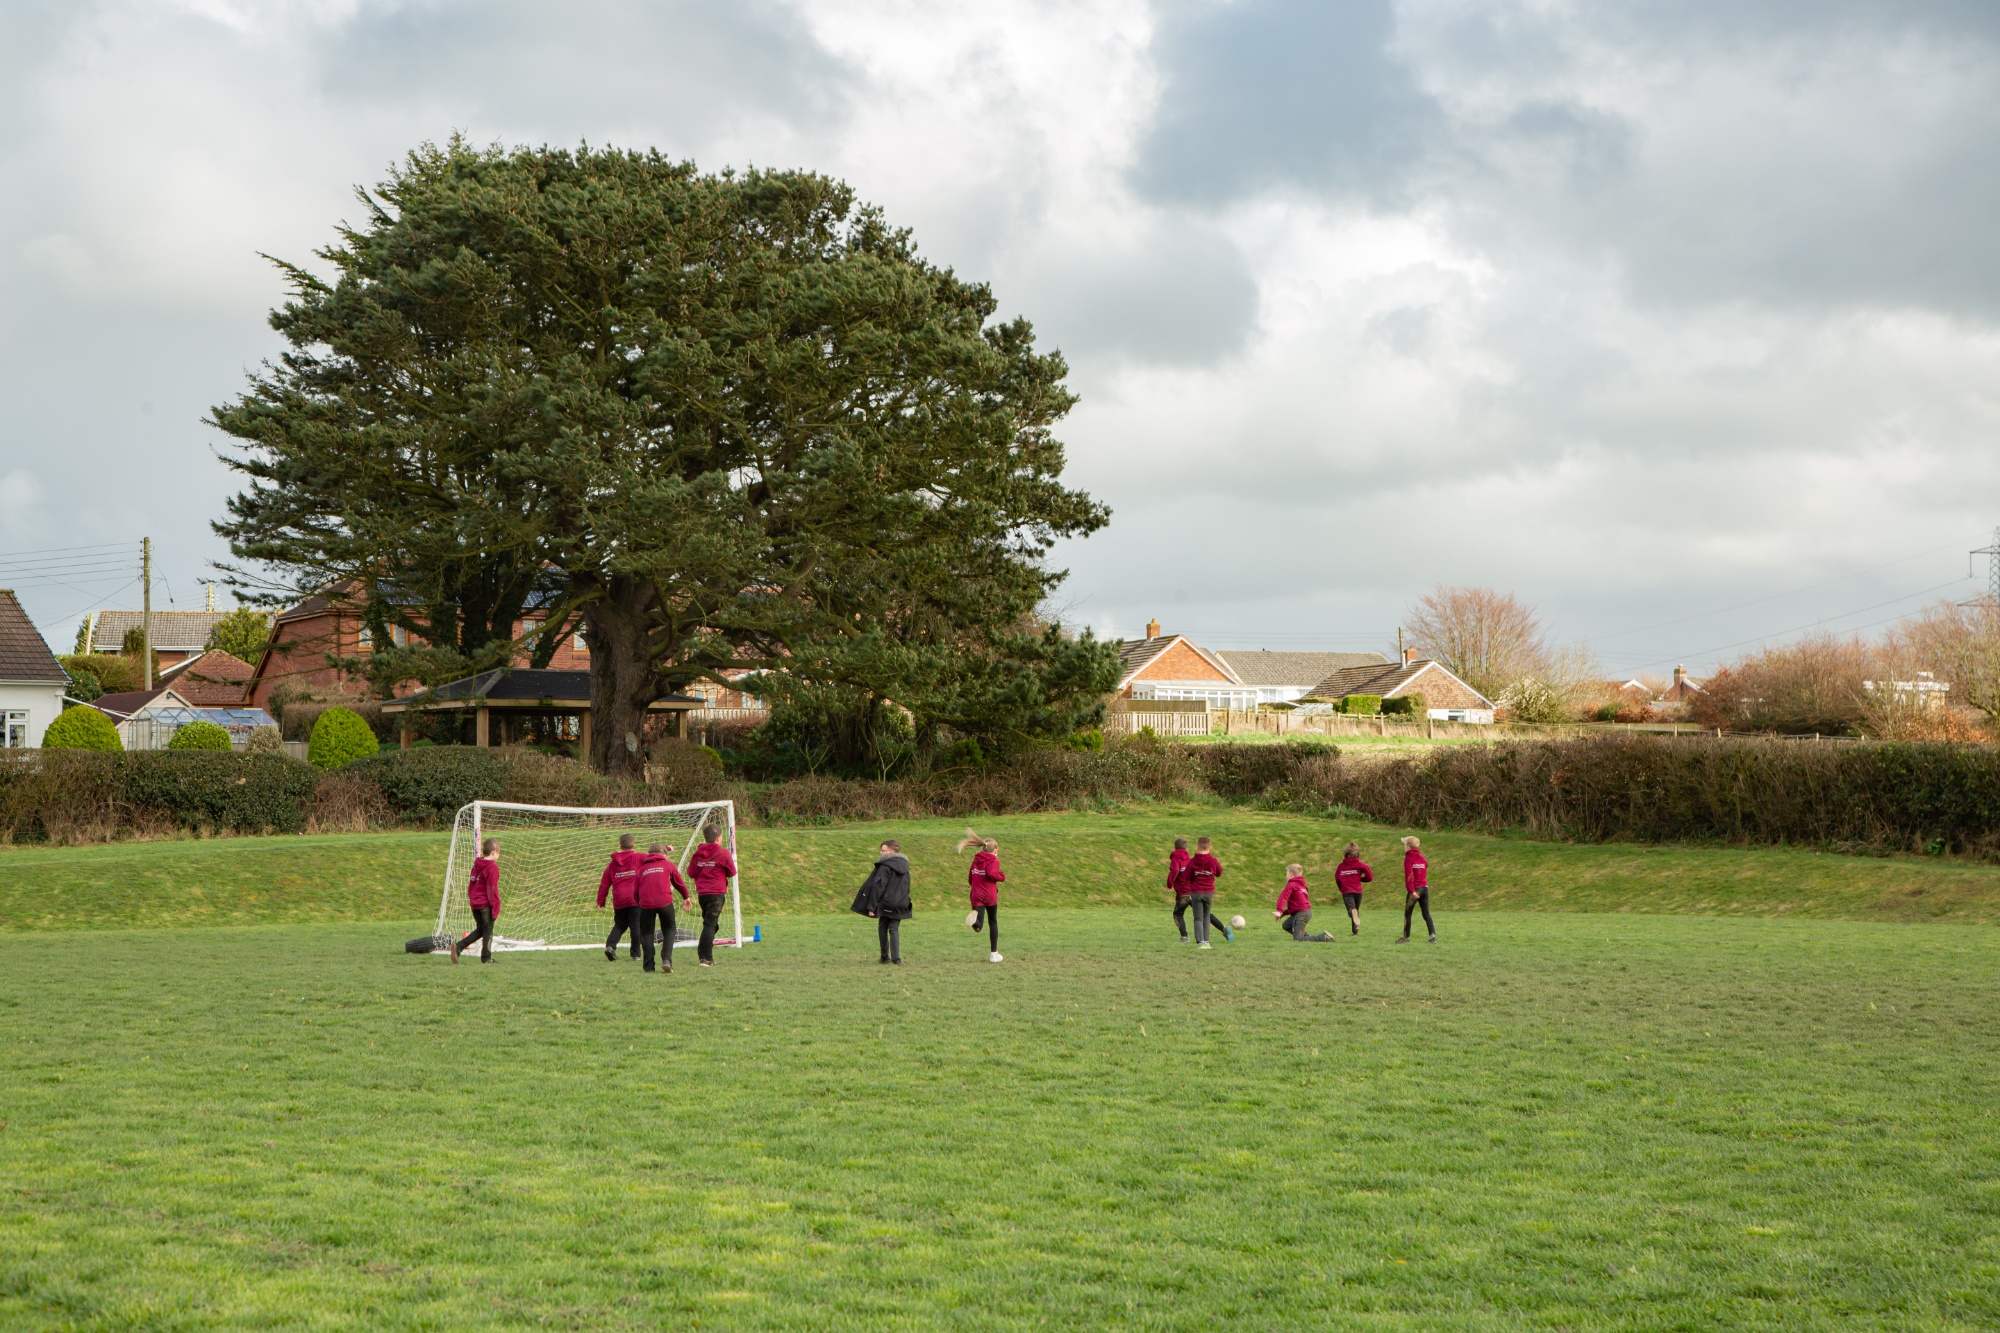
1549 1121
1052 860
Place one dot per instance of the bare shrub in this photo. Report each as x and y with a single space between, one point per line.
346 803
1813 685
1494 643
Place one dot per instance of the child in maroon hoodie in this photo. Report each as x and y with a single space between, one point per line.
1295 910
1348 877
713 867
1202 872
621 881
659 878
483 892
1416 889
1177 865
985 879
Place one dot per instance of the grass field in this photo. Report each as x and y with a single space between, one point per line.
1548 1121
1697 1098
1067 860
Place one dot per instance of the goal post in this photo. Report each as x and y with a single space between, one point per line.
551 858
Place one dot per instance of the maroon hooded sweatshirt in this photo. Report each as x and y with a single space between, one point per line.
712 866
1202 872
1294 898
1416 872
484 888
621 879
1177 865
985 877
1352 874
658 878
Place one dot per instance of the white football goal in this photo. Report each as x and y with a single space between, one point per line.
551 858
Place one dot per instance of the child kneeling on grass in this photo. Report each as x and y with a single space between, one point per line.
1295 910
483 892
885 895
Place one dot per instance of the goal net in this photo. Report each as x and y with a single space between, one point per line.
551 858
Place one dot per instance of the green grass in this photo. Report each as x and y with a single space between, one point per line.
1549 1121
1067 860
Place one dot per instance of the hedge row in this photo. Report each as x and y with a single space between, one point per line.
1873 797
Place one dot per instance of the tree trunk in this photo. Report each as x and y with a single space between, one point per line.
622 685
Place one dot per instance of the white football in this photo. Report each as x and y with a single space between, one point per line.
1236 923
972 920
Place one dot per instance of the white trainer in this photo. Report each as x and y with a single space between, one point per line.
992 957
1204 945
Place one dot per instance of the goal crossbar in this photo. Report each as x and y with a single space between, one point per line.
551 858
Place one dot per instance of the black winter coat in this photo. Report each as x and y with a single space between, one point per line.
886 895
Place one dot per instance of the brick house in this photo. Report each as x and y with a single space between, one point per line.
327 624
1172 666
1446 697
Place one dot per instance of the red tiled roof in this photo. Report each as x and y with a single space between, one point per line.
214 680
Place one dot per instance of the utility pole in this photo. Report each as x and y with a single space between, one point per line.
1992 567
146 580
1400 655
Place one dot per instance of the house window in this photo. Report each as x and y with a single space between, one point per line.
399 636
364 640
576 642
14 731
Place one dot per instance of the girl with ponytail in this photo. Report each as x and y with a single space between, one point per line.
985 878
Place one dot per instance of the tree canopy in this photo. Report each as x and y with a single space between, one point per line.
730 421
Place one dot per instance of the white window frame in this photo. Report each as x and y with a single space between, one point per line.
9 720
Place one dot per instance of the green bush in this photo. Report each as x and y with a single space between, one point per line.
1404 705
83 686
1085 742
114 674
82 729
266 740
200 736
238 793
1367 705
432 783
340 737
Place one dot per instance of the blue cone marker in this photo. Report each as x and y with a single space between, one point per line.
756 934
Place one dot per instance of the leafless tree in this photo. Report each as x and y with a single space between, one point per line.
1486 638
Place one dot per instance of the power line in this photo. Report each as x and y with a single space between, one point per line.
1810 587
1778 634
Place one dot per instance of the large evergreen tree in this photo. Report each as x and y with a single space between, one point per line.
735 420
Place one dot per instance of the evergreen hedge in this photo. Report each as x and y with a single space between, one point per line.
236 793
1889 796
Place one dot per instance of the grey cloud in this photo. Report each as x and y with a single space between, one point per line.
590 69
1816 155
1274 92
1179 294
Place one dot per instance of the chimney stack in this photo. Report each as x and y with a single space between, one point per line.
1409 656
1152 629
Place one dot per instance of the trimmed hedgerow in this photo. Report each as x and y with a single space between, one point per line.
340 737
237 793
82 728
1863 797
1367 705
200 736
432 783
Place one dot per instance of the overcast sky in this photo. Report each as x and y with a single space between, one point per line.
1645 312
